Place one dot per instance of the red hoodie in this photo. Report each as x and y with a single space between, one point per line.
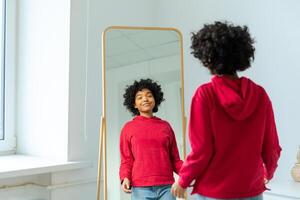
233 136
149 152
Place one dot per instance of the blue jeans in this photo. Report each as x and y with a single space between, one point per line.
162 192
200 197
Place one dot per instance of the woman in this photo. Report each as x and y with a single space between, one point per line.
148 148
232 132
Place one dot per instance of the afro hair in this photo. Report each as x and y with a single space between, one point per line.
223 48
131 90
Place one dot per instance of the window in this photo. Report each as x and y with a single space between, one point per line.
2 67
7 75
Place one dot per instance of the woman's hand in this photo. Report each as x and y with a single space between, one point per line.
126 185
177 190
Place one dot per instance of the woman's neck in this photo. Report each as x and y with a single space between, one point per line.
231 76
148 115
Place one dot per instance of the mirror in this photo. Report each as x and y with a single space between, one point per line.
129 54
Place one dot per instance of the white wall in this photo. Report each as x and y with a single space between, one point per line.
275 26
29 192
42 78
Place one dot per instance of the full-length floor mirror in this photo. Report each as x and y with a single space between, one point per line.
129 54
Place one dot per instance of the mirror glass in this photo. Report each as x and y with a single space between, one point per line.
131 54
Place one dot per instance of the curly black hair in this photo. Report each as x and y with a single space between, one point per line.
131 90
223 48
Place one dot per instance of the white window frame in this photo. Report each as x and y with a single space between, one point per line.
8 145
2 67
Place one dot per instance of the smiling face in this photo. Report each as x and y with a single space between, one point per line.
144 102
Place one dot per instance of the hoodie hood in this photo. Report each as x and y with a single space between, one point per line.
238 97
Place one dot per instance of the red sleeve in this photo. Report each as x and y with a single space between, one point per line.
271 148
126 156
201 141
175 158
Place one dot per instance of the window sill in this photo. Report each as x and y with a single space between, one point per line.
284 188
23 165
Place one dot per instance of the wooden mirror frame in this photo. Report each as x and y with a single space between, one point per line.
102 156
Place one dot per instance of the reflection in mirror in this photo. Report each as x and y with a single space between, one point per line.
132 54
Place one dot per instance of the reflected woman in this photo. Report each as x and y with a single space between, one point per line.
148 148
232 131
